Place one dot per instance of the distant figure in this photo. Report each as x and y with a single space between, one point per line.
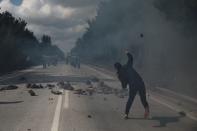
44 65
128 76
78 62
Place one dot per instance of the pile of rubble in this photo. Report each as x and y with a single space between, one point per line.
80 92
102 88
50 86
32 93
61 85
56 91
88 90
92 86
65 86
34 86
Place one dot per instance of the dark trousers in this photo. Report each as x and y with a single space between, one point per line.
132 93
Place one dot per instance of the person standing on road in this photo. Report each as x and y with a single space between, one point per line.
128 76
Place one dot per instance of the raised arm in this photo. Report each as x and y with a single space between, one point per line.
130 60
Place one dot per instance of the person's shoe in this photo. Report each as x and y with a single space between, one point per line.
126 116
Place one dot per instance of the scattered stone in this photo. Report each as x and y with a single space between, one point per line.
10 87
50 86
104 89
182 113
56 92
66 86
101 88
50 99
28 85
90 90
80 92
32 93
105 99
89 116
34 86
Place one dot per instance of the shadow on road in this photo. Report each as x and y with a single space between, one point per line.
10 102
163 120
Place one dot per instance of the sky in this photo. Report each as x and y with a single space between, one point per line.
63 20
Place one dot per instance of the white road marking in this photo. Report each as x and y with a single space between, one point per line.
66 100
56 118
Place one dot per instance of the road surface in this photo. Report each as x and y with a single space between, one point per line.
74 112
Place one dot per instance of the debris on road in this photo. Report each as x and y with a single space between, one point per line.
10 87
28 85
122 93
100 88
56 91
87 90
80 92
65 86
34 86
182 113
89 116
32 93
90 90
50 99
105 89
50 86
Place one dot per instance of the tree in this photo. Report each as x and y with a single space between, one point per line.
19 48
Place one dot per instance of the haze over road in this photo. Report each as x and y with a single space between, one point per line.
73 112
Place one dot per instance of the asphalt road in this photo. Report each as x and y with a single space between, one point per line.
74 112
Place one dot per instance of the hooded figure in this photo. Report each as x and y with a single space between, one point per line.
128 76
